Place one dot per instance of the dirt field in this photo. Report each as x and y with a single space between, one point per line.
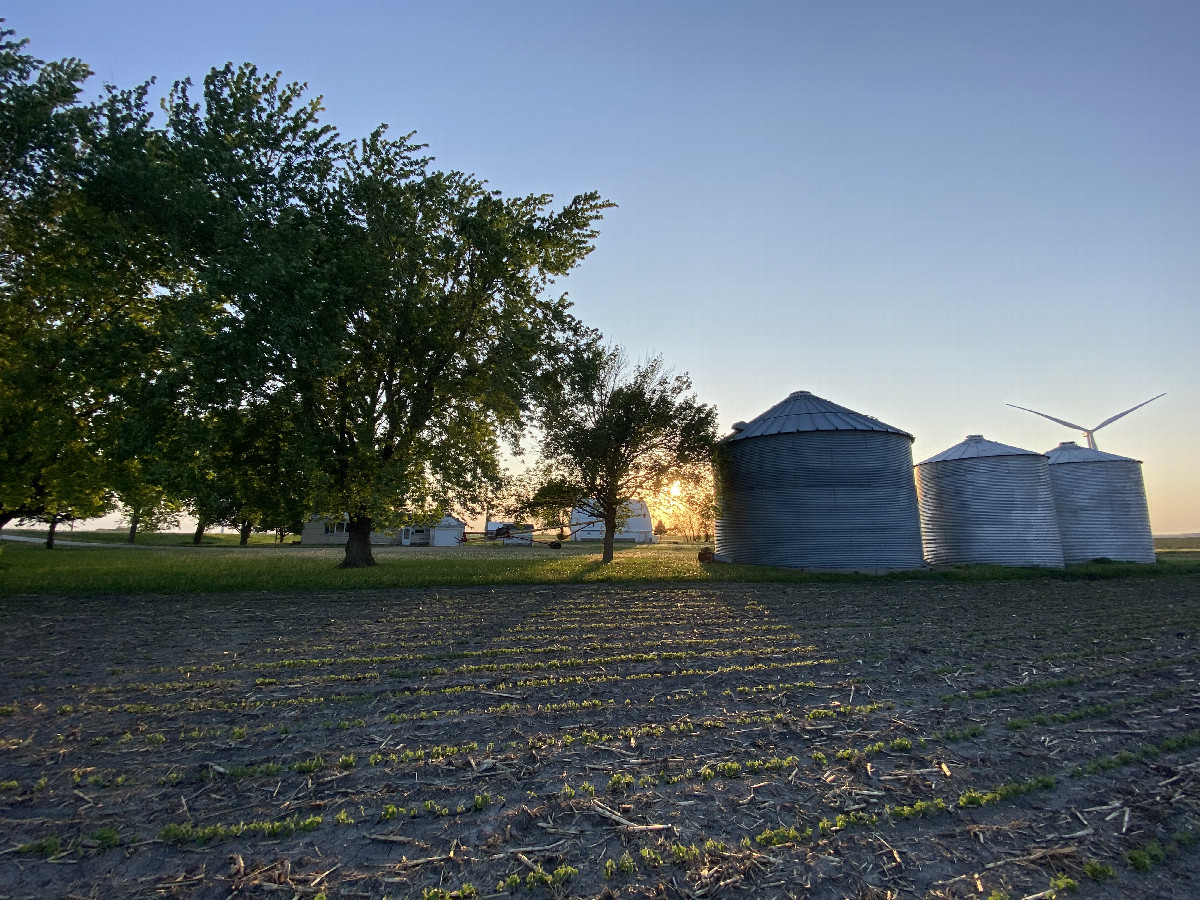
852 740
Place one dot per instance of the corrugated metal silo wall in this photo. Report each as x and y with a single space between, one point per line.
1102 511
989 509
830 499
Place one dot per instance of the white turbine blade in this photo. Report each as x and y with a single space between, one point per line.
1051 418
1112 419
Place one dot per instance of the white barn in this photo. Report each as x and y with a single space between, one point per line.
637 528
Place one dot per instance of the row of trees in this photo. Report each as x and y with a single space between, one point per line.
236 312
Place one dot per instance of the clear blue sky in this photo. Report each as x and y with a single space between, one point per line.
918 210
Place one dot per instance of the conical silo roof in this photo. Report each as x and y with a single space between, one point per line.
976 446
1071 452
804 411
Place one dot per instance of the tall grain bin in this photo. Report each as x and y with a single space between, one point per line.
811 484
1101 504
985 502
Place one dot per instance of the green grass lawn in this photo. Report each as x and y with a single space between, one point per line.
149 539
30 569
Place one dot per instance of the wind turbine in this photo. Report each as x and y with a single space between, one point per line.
1087 432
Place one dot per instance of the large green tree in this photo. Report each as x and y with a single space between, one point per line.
82 265
614 432
251 214
331 317
448 332
399 319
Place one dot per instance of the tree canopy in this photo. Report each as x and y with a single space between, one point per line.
614 432
240 311
81 261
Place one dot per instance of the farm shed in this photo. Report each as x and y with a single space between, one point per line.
811 484
986 502
448 532
320 530
637 528
1100 500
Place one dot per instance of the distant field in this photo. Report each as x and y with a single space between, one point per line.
1173 545
183 569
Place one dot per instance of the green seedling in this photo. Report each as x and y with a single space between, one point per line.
1098 871
106 838
1146 857
919 809
467 891
1006 791
784 834
188 833
1062 883
47 846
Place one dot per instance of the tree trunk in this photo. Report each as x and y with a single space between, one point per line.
358 544
50 532
199 533
245 533
133 524
610 532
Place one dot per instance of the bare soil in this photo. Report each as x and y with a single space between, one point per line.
872 740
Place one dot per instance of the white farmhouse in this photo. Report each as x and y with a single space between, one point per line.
446 533
319 530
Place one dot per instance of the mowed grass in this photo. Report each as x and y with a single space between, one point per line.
150 539
30 569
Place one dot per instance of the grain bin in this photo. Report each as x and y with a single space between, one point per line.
811 484
986 502
1101 503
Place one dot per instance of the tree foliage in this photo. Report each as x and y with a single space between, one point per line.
446 336
614 432
80 259
396 317
242 312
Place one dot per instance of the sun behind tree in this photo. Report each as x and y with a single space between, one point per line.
614 432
